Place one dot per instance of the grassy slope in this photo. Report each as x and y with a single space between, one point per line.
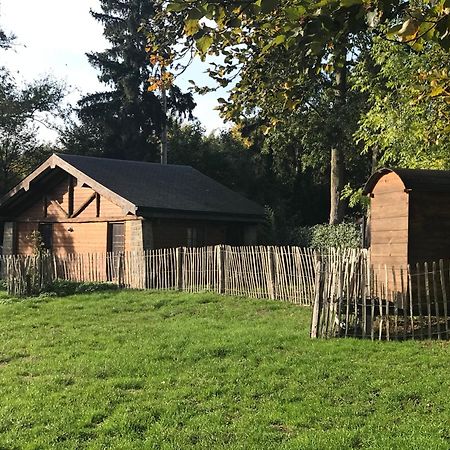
166 370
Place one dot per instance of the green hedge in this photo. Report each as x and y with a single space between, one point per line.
343 235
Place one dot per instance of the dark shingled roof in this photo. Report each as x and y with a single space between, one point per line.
414 179
164 187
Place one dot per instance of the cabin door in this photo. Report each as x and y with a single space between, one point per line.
116 237
116 249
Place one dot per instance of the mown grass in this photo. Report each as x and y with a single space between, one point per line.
134 370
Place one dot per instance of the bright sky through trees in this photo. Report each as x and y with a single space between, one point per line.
52 39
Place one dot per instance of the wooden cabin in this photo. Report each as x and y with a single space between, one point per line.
83 204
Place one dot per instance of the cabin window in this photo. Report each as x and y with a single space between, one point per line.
195 237
116 237
46 232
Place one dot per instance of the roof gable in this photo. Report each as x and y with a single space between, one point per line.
53 162
140 187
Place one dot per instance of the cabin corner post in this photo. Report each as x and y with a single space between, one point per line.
134 236
9 238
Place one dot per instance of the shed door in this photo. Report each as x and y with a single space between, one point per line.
116 237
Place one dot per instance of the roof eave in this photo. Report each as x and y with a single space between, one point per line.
161 213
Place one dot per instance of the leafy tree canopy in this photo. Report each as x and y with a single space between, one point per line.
21 111
291 58
407 122
296 58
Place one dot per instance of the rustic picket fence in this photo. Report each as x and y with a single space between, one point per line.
284 273
350 298
355 299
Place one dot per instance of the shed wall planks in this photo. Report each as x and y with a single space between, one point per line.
389 222
389 231
83 238
60 194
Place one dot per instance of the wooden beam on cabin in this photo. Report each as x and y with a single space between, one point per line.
115 198
59 207
74 219
25 184
23 201
45 206
70 189
84 205
97 204
55 161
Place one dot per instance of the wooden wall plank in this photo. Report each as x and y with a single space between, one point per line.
389 213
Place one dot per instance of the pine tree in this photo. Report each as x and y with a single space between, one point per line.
125 120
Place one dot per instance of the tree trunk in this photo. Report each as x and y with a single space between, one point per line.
164 138
337 172
337 206
375 151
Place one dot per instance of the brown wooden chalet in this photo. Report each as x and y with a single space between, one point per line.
83 204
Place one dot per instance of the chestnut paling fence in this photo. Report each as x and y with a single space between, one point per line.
350 298
355 299
285 273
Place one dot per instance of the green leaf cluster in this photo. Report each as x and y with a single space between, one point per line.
407 121
22 108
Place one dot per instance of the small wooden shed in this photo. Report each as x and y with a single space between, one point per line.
409 216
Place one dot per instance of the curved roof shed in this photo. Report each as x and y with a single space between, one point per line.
417 179
409 216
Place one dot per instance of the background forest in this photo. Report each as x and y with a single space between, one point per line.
320 96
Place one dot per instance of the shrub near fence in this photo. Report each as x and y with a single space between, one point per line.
285 273
26 275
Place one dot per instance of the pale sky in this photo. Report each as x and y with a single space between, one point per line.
52 39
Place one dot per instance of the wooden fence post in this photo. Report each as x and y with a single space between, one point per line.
317 297
272 274
120 268
221 267
180 253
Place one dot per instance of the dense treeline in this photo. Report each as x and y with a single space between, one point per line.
313 116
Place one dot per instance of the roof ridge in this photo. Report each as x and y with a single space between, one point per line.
101 158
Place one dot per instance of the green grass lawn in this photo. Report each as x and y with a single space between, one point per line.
136 370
